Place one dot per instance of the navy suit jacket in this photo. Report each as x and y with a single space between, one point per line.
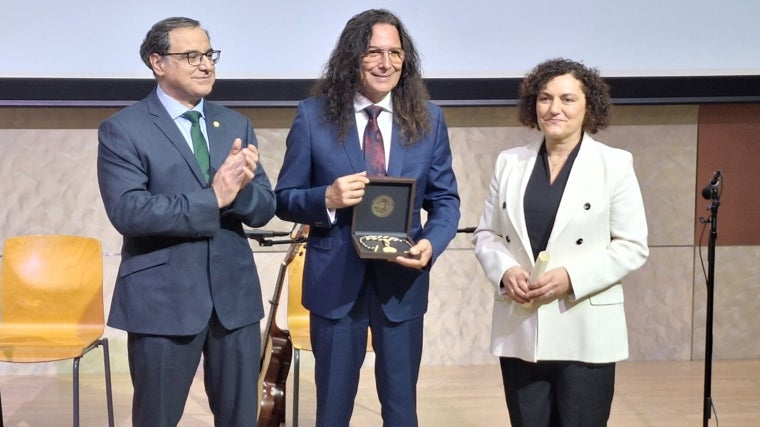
333 272
182 256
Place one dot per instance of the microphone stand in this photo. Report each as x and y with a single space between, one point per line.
265 238
715 198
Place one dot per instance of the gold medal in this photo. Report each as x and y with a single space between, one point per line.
382 205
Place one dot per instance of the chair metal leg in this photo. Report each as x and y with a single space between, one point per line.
109 391
76 391
296 380
103 342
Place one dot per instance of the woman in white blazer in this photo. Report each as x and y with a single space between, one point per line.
559 335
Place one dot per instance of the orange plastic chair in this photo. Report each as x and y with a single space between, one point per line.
298 322
51 303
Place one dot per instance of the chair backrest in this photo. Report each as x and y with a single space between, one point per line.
52 281
297 314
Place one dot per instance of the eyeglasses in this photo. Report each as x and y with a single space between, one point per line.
395 54
195 58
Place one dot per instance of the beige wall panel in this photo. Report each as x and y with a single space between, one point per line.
272 151
736 321
49 185
665 158
474 153
458 321
658 306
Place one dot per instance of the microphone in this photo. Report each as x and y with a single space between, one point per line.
707 190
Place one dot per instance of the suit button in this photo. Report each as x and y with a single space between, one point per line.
507 239
587 206
504 205
579 242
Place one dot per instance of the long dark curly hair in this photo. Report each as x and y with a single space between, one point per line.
598 103
341 78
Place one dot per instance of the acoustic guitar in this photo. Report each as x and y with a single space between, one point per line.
277 348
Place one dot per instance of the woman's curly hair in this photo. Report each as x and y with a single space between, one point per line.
341 78
598 103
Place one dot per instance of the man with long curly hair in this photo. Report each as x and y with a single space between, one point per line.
374 67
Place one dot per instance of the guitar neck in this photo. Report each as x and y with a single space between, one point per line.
275 301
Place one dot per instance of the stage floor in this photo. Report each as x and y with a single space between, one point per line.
666 394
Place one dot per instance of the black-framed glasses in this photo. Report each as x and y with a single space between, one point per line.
194 58
376 54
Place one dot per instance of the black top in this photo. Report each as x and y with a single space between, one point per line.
542 198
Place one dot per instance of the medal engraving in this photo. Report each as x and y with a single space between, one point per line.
382 205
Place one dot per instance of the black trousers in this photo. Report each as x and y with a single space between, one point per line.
558 393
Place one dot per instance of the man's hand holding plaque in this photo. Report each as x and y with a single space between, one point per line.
418 256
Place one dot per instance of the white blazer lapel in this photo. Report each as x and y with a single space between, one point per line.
517 182
578 184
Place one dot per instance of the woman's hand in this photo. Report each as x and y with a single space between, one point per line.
515 282
553 284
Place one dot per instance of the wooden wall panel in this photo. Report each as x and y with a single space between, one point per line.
729 141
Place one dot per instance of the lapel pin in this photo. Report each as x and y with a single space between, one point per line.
216 124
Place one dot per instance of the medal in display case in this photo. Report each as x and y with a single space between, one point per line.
382 220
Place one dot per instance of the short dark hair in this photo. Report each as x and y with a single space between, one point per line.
157 39
341 78
596 90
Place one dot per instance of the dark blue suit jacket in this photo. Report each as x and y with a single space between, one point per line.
333 272
181 256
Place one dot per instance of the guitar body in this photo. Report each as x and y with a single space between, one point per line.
277 350
277 362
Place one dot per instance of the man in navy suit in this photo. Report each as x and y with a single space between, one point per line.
324 175
187 285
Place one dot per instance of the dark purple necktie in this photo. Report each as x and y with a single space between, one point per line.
374 151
